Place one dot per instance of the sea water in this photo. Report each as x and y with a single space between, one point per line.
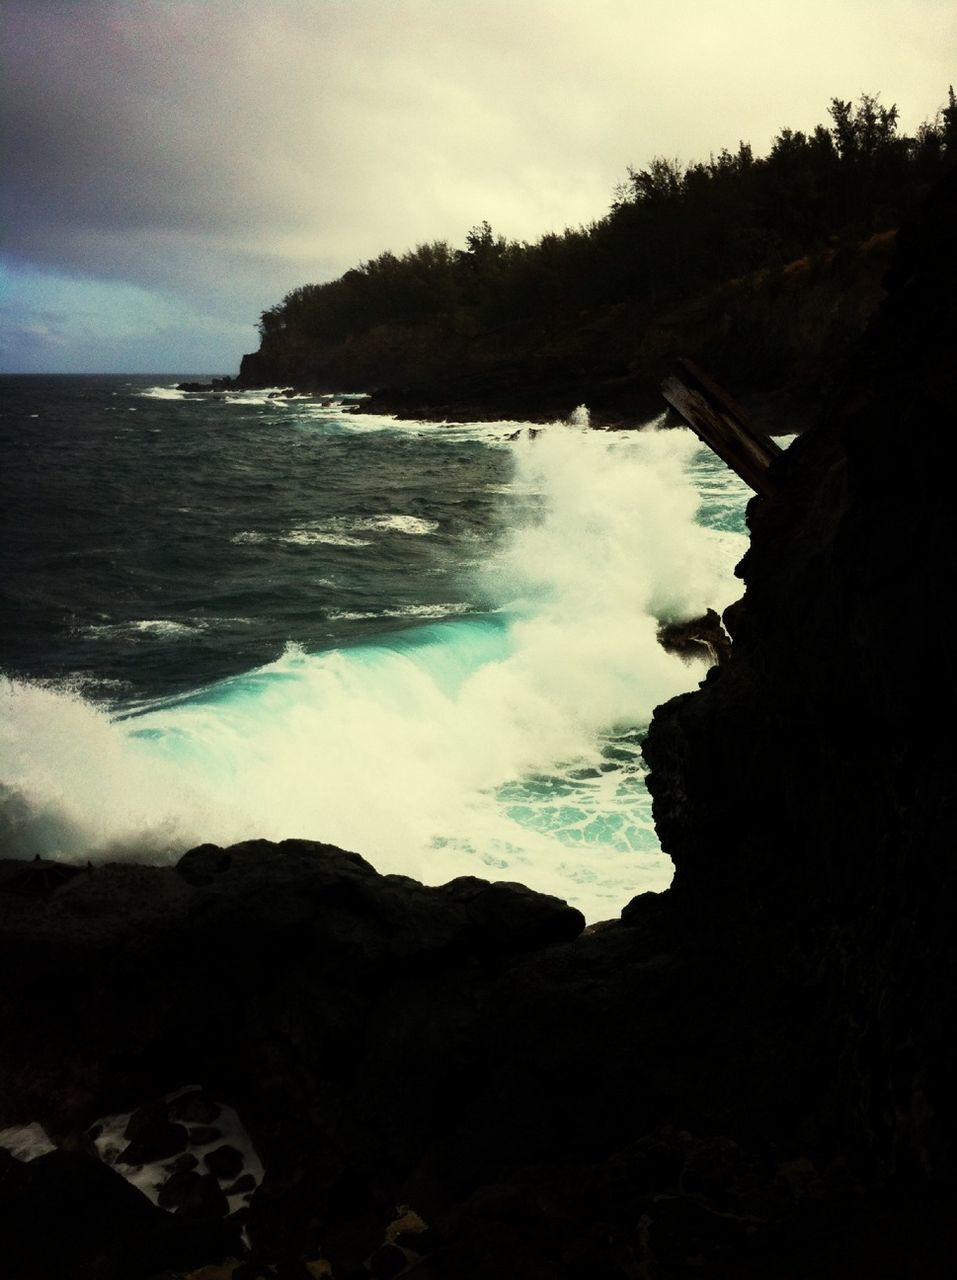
234 615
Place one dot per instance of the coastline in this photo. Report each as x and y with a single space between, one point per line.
778 339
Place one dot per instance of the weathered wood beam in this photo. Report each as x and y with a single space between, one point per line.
720 423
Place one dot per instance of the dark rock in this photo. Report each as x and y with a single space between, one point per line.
182 1163
292 1269
507 916
803 794
416 1241
146 1120
158 1140
65 1214
703 638
215 384
195 1107
246 1183
179 1187
199 1196
387 1261
249 1269
203 1135
37 879
224 1162
203 864
81 1142
683 1230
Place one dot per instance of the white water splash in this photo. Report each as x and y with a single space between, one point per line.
498 745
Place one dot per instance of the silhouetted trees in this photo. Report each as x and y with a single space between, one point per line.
671 230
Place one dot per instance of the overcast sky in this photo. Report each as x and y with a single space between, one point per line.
173 167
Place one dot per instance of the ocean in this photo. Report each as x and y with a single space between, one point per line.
234 615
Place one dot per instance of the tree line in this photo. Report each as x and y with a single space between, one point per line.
671 230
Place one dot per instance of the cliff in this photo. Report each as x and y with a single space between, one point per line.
747 1076
805 793
777 337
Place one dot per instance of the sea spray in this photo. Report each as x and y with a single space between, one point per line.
500 743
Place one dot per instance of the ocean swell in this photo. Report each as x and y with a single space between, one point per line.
501 742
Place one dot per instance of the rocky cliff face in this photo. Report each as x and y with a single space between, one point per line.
747 1076
806 794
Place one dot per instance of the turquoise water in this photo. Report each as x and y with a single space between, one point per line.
252 616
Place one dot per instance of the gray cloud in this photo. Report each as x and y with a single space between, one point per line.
225 152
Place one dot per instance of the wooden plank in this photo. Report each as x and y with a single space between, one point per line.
720 423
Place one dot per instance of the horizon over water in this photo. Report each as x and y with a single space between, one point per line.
240 615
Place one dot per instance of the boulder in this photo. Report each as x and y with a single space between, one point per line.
65 1214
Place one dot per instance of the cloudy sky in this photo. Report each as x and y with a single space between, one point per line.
173 167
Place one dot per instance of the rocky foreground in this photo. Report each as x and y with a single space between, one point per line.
749 1075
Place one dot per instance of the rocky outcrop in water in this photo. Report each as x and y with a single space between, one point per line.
747 1076
699 638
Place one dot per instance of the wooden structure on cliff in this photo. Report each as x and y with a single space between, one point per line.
722 425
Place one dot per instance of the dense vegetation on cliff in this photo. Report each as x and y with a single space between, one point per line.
672 231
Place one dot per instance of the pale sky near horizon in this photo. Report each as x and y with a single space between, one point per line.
173 167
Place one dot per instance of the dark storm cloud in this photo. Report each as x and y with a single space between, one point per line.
225 152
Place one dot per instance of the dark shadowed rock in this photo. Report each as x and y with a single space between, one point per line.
224 1162
194 1107
183 1162
203 864
200 1197
703 638
387 1261
246 1183
179 1187
157 1141
65 1214
203 1134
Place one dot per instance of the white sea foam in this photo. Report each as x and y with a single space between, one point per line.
162 393
404 611
156 629
325 537
162 628
340 531
477 745
166 627
26 1141
396 524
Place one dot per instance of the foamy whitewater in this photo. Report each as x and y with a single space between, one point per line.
481 717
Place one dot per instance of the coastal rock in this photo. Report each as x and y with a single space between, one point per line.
65 1214
158 1141
216 384
199 1196
804 794
703 638
193 1107
224 1162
